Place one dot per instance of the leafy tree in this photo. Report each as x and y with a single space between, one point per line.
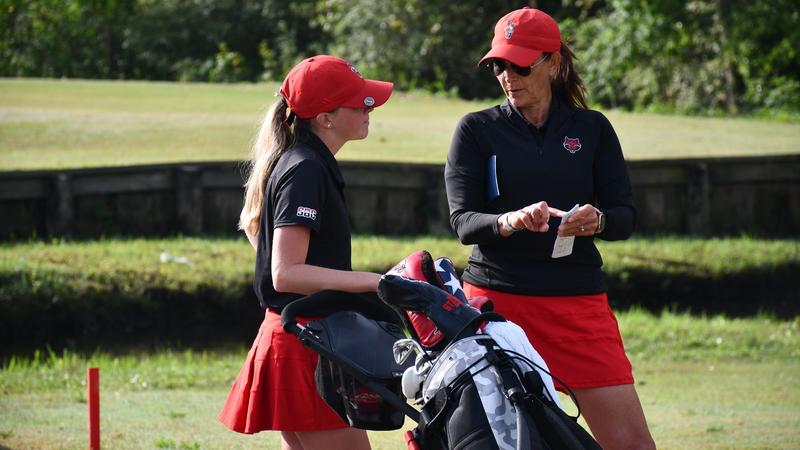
765 48
54 38
693 56
696 56
418 43
154 39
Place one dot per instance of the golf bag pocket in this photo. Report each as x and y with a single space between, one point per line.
360 352
458 420
462 395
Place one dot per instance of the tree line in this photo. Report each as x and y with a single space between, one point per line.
697 56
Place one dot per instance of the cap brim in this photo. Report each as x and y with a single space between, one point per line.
520 56
377 91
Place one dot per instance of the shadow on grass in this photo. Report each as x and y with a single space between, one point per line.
49 320
772 291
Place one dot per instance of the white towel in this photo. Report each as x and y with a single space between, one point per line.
510 336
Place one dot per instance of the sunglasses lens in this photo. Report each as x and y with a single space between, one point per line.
523 71
498 66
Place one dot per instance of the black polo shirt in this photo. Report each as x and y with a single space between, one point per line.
497 163
305 188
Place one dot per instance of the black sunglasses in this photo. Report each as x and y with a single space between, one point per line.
498 66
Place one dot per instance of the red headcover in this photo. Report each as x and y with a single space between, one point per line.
419 266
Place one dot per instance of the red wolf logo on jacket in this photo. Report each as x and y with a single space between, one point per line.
572 145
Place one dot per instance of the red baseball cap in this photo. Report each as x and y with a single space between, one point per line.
522 36
323 83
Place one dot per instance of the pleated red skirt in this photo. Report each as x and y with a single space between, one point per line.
275 389
578 336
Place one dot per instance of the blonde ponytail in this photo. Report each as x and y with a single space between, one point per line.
274 137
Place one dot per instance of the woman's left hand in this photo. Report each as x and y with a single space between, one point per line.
582 223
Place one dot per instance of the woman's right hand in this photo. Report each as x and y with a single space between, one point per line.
534 217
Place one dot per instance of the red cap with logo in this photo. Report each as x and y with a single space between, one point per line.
521 37
323 83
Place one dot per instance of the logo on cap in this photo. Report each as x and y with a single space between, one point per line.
509 30
369 101
353 68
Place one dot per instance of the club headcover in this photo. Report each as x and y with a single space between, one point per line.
447 277
416 266
482 303
450 314
419 266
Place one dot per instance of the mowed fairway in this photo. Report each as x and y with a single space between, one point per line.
722 406
705 383
71 123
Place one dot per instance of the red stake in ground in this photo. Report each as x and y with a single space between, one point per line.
93 396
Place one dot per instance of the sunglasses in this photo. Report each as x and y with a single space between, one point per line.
498 66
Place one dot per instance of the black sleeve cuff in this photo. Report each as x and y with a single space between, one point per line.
620 222
476 228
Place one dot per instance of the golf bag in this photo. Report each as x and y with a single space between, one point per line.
488 388
476 381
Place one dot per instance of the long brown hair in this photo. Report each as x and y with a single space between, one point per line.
275 135
567 84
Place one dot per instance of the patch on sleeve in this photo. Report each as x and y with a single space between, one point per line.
308 213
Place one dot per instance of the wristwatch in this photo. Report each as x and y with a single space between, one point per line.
601 222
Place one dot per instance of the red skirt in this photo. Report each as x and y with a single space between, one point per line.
275 389
578 336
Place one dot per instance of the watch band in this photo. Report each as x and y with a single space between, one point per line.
601 222
507 225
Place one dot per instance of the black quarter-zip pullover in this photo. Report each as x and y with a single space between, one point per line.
496 164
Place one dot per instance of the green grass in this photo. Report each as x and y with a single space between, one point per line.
663 338
705 383
48 124
226 260
702 257
123 276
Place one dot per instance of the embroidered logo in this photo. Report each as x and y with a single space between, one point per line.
353 69
450 303
509 30
308 213
572 145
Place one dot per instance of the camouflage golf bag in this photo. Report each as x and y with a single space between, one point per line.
473 392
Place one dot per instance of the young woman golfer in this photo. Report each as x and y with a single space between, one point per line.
295 216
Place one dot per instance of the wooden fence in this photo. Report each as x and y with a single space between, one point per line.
704 196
